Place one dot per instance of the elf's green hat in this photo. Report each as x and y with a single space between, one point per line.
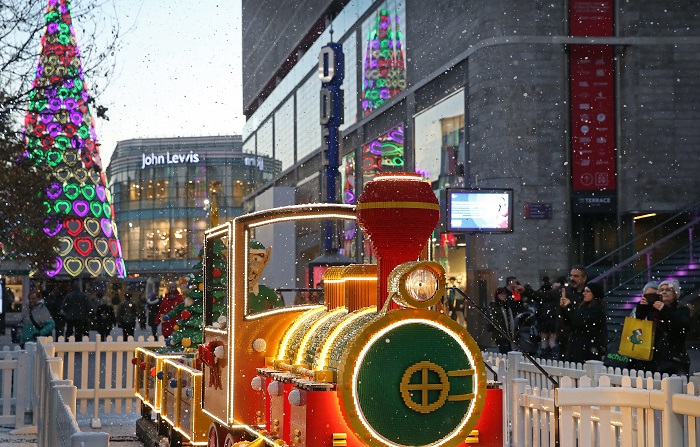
255 245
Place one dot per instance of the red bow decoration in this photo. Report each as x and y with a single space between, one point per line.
206 355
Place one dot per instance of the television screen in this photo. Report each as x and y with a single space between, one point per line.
474 210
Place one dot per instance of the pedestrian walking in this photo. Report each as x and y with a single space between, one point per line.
127 315
76 309
104 317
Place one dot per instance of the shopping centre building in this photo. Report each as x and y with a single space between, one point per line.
585 111
162 192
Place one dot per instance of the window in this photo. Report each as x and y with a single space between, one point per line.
264 135
284 134
439 141
308 117
350 82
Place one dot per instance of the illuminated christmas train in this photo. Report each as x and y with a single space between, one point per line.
373 365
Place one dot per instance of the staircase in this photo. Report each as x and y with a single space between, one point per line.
622 299
624 281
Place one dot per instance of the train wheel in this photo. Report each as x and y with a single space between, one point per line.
214 437
229 441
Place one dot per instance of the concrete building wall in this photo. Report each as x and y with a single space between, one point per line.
518 115
659 99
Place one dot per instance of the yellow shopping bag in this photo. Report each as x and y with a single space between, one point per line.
637 339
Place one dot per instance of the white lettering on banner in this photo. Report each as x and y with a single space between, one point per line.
595 200
154 160
254 161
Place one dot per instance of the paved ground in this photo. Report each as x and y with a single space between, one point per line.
121 429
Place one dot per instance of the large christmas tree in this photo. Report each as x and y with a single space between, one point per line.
60 134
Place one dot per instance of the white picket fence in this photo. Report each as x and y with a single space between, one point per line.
101 371
54 406
14 397
66 378
598 406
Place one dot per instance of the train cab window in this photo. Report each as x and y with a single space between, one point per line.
216 281
280 271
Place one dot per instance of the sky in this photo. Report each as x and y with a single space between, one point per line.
178 72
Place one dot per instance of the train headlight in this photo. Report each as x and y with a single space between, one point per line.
418 284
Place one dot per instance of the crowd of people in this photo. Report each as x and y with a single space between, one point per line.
67 310
563 320
566 320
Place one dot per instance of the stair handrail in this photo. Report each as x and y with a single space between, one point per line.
692 207
643 252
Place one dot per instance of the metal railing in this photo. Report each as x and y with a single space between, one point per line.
624 268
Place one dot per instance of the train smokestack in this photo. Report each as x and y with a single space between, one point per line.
397 212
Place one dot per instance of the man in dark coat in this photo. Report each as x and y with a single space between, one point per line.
572 291
672 325
588 336
503 315
77 309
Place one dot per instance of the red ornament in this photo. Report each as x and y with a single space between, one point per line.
143 365
134 361
216 273
185 314
153 371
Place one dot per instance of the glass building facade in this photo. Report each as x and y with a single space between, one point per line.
162 196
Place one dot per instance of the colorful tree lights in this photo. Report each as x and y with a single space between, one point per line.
384 68
189 314
60 133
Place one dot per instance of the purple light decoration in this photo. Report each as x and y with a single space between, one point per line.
54 191
120 267
54 129
106 225
396 134
57 269
77 142
70 104
81 208
349 196
53 231
52 27
76 118
101 194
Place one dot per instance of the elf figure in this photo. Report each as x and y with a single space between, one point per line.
260 297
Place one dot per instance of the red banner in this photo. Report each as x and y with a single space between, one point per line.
592 99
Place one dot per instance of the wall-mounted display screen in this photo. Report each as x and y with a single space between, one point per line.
475 210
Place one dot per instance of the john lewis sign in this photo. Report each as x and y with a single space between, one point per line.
167 159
